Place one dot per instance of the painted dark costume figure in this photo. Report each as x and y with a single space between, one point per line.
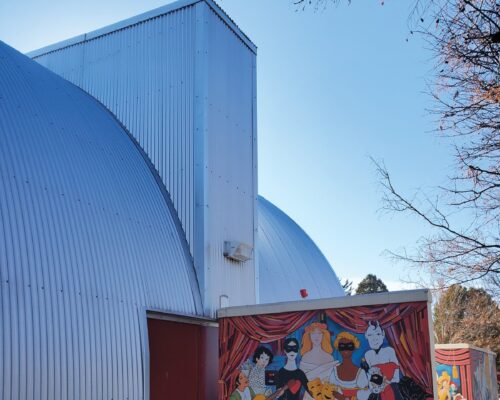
295 379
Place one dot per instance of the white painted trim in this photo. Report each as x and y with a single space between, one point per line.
255 180
451 346
232 25
184 319
431 350
143 329
56 46
169 8
405 296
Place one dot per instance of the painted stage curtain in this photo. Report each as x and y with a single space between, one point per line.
406 328
240 336
462 359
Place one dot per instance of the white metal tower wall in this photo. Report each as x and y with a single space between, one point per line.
182 80
230 163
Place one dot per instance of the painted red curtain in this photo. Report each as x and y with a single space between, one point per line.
240 336
405 325
406 328
462 359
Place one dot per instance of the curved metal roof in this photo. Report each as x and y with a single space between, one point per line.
289 260
87 242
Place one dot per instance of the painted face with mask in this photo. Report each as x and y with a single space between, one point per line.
292 349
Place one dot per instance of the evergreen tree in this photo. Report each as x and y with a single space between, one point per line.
467 315
371 284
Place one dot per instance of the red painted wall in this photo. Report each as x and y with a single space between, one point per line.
183 360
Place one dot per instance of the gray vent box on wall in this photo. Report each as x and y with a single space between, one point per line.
237 251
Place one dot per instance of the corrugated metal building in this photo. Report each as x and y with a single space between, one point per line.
88 243
181 79
115 204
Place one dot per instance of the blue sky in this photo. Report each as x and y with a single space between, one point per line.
335 87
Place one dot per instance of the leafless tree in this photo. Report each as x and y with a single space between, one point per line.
463 36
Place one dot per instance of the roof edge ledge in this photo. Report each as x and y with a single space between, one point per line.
157 12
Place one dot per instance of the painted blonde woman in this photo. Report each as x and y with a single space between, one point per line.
316 351
444 382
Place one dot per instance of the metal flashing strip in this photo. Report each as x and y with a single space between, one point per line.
405 296
232 25
187 319
57 46
453 346
157 12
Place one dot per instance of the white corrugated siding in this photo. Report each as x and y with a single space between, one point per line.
230 164
289 260
144 74
183 83
87 243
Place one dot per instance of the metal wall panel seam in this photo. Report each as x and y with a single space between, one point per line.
199 144
255 192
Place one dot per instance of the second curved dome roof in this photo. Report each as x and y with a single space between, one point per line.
289 260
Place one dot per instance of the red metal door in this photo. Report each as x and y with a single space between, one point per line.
183 360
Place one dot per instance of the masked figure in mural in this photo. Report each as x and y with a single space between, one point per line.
290 376
393 386
243 391
382 357
257 376
350 379
316 351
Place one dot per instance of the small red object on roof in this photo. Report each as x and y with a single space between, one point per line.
303 293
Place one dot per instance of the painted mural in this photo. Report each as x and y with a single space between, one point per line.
449 385
483 376
465 373
367 353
